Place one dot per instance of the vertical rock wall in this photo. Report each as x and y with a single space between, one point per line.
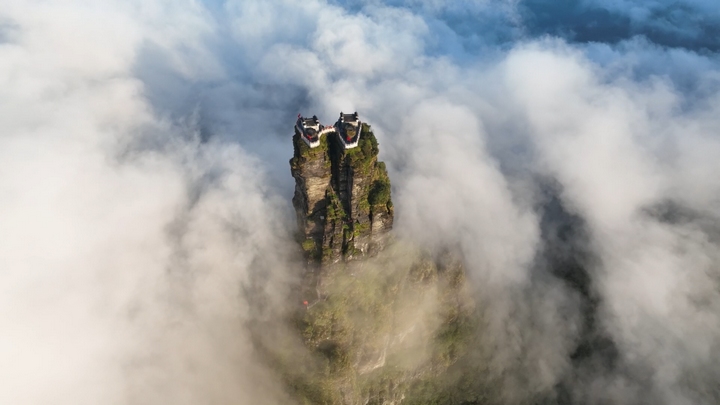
342 198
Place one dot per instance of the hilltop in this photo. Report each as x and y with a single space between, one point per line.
342 192
377 321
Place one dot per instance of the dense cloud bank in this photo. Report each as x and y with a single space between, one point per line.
144 185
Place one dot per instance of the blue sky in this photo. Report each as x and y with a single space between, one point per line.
686 24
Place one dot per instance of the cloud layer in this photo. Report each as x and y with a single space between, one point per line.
144 186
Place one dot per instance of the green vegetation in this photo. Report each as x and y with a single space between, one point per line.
309 245
363 157
304 153
335 210
311 248
359 229
351 333
364 205
379 194
395 328
350 323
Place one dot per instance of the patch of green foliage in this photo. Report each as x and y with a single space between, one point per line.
364 155
364 205
311 249
304 153
380 190
379 193
363 159
331 214
368 143
335 210
309 245
361 228
355 315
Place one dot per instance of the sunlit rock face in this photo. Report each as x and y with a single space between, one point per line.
342 197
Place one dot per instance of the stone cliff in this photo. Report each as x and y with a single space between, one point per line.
342 197
385 330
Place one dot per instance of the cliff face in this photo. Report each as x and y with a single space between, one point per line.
342 198
380 331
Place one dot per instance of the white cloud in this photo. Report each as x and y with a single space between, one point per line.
121 267
606 144
126 237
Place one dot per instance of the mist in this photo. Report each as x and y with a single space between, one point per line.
569 156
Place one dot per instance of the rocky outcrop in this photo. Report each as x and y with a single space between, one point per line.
342 198
385 330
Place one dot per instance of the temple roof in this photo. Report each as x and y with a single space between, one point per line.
349 117
310 122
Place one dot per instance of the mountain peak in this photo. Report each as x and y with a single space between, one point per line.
342 192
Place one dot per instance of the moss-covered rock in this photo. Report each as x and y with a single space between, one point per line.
341 197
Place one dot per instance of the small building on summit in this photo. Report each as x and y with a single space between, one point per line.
342 192
348 128
309 129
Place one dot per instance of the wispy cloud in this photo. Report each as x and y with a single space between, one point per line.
144 180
